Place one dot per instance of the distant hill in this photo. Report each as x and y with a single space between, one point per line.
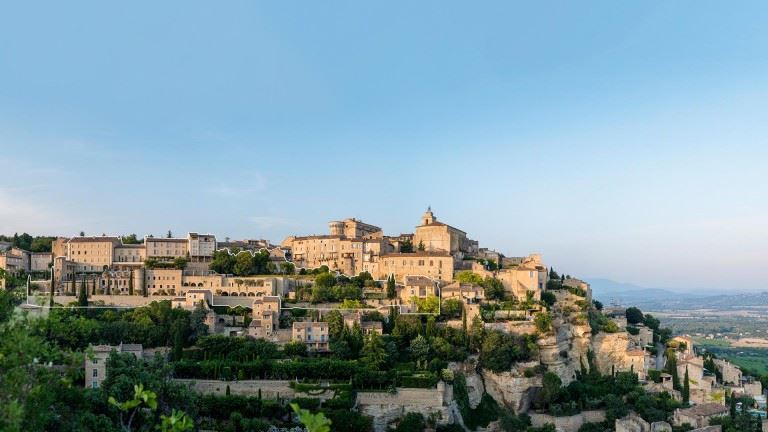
647 298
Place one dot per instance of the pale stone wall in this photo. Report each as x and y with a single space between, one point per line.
435 265
270 389
386 408
40 261
569 423
167 280
112 300
91 253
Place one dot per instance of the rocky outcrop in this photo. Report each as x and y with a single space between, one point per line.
610 350
512 389
565 350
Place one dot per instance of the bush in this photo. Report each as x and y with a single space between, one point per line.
543 322
548 298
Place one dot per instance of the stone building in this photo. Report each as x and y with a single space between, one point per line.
166 249
526 275
434 236
435 265
418 287
353 228
96 365
698 416
465 292
266 317
312 333
91 254
731 374
192 298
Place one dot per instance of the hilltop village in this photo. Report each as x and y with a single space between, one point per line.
372 332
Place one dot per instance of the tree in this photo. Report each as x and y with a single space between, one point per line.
452 308
325 280
243 264
313 422
551 388
130 283
335 323
671 367
548 298
686 388
82 299
373 354
476 333
553 274
406 246
421 246
634 315
391 287
169 235
543 322
180 263
411 422
419 349
130 239
467 276
295 349
494 288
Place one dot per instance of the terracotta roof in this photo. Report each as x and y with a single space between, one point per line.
94 239
416 254
307 324
371 325
166 240
418 280
315 237
705 410
436 223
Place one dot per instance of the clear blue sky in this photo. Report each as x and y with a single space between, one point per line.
625 140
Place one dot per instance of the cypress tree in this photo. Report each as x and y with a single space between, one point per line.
733 406
130 284
50 303
391 288
82 299
686 388
143 287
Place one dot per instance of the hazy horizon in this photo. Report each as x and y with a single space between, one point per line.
626 141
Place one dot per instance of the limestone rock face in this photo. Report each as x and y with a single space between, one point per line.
475 388
511 389
564 351
610 351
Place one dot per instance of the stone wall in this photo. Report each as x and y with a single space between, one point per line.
270 389
114 300
569 423
634 423
386 408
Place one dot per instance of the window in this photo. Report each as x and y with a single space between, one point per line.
95 372
95 384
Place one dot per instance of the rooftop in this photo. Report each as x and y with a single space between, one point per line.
705 410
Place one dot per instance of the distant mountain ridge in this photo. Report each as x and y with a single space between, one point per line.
607 291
